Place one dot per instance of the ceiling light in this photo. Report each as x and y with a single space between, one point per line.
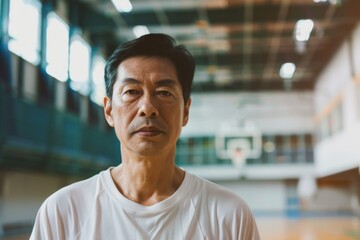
303 29
319 1
287 70
140 30
122 5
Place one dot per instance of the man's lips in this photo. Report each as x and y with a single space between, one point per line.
148 131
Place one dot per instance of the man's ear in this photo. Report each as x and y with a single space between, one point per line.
186 112
108 111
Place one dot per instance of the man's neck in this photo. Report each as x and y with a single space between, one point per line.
147 181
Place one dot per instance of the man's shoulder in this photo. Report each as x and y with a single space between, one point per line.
218 194
224 208
212 187
75 192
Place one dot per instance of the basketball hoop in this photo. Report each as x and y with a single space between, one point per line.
238 141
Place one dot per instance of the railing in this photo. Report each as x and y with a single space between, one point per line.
292 149
42 138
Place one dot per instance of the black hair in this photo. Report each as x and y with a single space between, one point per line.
153 44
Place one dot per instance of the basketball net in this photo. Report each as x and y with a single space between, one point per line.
238 157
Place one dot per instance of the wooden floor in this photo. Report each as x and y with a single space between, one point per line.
314 228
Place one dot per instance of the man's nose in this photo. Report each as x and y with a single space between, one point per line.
148 106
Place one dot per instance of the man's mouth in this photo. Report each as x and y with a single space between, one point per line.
148 131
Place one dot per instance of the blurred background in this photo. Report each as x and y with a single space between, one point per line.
275 113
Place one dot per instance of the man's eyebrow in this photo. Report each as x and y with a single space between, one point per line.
163 82
130 81
166 82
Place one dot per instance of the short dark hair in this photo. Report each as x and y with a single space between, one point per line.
153 44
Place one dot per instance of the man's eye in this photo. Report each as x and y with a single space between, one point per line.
132 92
164 93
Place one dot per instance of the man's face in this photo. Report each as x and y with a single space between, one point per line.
147 107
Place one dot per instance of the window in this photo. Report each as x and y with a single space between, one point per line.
268 154
24 29
57 47
309 148
287 150
98 82
79 65
279 149
301 150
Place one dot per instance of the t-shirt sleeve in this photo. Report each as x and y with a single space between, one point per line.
48 223
249 230
239 219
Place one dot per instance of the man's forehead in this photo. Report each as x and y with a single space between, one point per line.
158 69
147 63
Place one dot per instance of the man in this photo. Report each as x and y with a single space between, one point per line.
148 83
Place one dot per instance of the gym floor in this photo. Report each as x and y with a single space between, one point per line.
312 228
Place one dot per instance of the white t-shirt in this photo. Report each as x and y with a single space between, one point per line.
95 209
